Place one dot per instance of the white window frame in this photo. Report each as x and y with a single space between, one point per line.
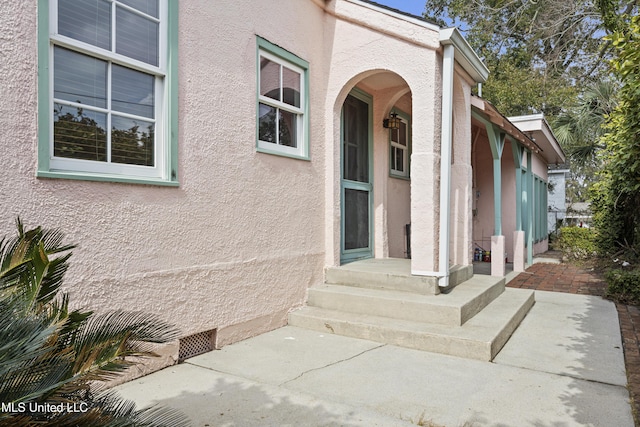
286 59
163 169
404 118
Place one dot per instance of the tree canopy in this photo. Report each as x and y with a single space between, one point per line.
539 52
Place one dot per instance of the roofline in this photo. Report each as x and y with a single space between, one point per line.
468 58
496 117
546 128
397 13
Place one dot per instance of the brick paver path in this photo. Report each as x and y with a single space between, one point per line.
560 278
575 280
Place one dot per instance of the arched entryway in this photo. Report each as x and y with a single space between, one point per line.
375 186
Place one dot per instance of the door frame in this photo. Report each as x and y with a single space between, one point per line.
360 253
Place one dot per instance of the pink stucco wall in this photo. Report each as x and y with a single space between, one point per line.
241 238
398 200
237 244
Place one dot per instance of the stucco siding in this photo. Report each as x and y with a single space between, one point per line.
241 238
236 245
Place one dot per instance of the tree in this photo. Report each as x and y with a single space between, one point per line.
540 53
617 196
535 50
580 127
52 356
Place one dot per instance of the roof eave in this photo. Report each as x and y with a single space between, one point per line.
467 57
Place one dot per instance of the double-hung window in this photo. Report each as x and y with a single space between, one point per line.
400 142
282 117
108 102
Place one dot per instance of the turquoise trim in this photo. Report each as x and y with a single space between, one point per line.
280 153
44 108
496 143
540 209
530 207
355 254
286 56
517 160
406 118
172 90
83 176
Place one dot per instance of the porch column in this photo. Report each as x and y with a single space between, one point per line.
425 164
498 243
518 234
431 182
530 207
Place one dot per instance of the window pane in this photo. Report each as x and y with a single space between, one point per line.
269 79
79 78
288 129
86 20
393 157
267 123
136 37
291 87
394 135
132 91
79 133
400 160
150 7
402 138
356 139
356 219
132 141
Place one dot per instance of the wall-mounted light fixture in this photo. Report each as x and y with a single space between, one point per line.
393 122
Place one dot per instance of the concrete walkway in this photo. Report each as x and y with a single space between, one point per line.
564 366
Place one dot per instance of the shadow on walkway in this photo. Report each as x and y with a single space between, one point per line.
575 280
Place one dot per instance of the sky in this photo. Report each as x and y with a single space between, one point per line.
414 7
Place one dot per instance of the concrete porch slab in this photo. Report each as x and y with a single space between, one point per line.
392 273
455 308
479 338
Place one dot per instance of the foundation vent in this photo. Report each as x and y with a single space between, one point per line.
196 344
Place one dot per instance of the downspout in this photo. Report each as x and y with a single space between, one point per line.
446 141
451 40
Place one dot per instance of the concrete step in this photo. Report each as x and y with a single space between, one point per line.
454 308
391 273
480 338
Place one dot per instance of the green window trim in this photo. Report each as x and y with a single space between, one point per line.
284 58
540 199
406 118
168 126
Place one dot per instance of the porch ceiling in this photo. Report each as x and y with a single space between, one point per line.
384 80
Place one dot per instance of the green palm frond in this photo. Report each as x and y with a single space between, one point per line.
21 338
105 340
51 354
580 128
26 267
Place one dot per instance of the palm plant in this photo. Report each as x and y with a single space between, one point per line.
579 129
51 356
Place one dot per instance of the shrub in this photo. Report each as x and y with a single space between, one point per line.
623 286
51 356
577 243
